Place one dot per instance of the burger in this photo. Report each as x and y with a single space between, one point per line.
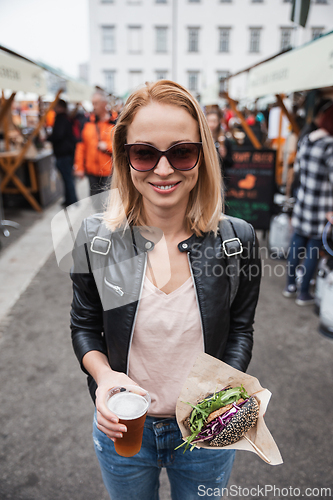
221 418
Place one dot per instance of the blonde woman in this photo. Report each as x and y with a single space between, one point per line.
152 291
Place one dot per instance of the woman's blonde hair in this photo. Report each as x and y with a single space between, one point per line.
204 208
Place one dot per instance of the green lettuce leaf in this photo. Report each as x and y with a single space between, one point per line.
202 410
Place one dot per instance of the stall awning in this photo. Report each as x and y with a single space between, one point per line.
19 74
307 67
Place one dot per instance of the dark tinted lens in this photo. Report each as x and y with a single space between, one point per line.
183 156
143 157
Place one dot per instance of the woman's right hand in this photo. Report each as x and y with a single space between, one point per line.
96 363
107 421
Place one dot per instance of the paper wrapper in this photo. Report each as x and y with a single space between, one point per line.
210 374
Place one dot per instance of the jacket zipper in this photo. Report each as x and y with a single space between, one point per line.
116 288
197 298
136 313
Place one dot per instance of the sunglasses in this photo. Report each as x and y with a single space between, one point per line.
181 156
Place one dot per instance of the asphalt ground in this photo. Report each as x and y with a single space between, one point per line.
22 215
46 450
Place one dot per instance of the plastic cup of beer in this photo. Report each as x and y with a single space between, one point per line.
130 404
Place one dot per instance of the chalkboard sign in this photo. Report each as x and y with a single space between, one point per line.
250 186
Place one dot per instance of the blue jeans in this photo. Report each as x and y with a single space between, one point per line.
137 477
307 249
65 166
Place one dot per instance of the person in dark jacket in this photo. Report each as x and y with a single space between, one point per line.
222 143
318 112
63 142
152 290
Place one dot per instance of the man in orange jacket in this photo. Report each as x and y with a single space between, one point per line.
93 154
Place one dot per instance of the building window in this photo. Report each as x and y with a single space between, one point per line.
224 38
286 38
161 1
108 39
257 1
193 80
134 2
109 79
134 39
194 1
316 32
193 39
225 1
321 1
255 39
161 74
107 1
161 39
223 84
135 79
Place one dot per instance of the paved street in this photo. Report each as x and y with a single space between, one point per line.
46 450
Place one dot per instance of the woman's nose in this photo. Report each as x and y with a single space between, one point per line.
163 168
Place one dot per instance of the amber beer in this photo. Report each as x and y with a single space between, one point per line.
131 409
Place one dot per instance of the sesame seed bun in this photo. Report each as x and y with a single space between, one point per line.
244 419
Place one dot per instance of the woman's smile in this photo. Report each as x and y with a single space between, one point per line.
164 187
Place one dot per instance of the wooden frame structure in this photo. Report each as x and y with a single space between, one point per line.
254 140
249 132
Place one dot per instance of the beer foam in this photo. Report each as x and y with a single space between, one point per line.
127 405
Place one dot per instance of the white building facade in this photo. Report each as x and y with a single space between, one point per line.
193 42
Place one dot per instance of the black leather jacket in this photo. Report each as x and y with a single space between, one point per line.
107 279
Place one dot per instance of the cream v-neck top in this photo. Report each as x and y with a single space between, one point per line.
166 341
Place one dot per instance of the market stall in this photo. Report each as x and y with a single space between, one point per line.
285 73
19 74
40 184
302 69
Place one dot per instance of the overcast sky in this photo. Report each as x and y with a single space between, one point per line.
52 31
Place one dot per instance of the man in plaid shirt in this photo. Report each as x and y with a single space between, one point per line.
314 163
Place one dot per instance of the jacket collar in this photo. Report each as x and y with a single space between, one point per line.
186 245
144 244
